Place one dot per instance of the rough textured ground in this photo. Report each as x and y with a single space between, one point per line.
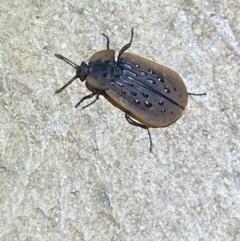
73 174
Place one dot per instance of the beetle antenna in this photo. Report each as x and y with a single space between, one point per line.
75 66
66 85
68 61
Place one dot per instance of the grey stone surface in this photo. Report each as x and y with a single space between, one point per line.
73 174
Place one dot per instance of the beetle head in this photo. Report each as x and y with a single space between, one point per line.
82 71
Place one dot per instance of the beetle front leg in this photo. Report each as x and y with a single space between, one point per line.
108 40
95 92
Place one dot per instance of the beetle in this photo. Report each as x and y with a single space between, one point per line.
150 94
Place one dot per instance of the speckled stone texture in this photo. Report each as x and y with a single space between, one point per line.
73 174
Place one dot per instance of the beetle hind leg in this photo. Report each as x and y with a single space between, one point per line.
135 123
197 94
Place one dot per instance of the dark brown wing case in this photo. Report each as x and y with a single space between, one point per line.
153 93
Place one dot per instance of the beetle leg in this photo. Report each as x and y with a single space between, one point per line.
95 92
133 122
197 94
125 47
108 40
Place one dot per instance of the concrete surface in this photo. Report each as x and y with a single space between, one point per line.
73 174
